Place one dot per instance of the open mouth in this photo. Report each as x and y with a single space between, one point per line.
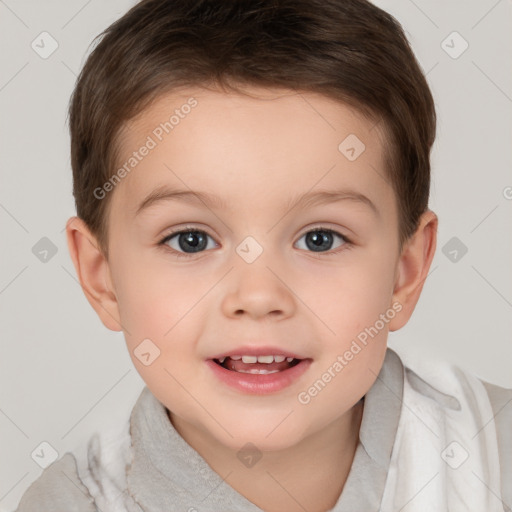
260 365
259 374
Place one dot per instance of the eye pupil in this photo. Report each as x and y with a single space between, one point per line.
194 240
316 242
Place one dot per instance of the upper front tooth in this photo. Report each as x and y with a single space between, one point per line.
265 359
262 359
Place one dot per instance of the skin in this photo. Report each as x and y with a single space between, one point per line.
257 153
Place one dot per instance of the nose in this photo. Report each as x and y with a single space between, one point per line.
257 291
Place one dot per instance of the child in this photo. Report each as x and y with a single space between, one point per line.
251 181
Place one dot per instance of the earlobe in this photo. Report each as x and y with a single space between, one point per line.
413 267
93 271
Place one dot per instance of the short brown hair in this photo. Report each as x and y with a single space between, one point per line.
348 50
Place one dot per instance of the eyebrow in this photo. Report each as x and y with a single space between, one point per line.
164 193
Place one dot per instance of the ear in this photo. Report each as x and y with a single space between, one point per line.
412 268
93 272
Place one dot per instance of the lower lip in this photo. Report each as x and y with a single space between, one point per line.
259 384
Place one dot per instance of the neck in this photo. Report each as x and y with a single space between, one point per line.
307 476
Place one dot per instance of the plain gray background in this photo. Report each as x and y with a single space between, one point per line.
63 374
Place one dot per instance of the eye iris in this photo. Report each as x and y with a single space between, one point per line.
194 240
317 242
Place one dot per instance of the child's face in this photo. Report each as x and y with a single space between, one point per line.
257 157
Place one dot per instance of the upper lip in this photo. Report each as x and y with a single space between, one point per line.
259 350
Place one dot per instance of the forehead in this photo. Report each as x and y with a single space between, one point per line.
271 144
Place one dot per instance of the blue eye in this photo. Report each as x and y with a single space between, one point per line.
191 241
321 239
187 241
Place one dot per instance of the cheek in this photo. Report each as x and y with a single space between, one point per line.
354 306
161 317
155 300
350 297
361 324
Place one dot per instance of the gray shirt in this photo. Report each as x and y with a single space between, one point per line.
167 474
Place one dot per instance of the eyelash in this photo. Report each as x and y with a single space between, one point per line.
344 247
